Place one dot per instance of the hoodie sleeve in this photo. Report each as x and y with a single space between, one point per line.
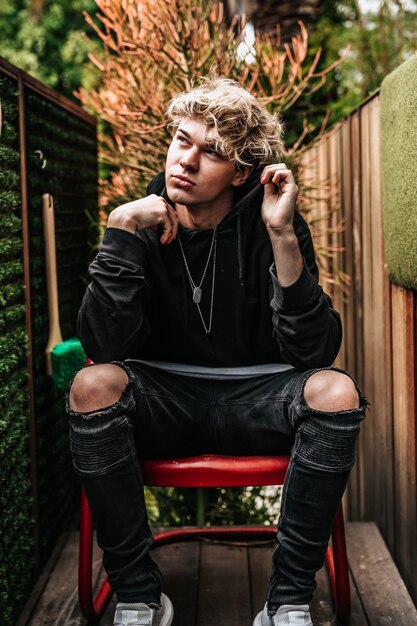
306 326
112 322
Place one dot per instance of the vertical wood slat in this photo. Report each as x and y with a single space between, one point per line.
355 166
347 265
380 498
218 572
356 163
404 423
323 206
365 441
347 261
336 219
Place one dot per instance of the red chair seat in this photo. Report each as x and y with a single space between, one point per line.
212 471
216 471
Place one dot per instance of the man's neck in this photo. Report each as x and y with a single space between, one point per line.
201 218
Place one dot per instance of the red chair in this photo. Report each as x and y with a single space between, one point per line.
212 471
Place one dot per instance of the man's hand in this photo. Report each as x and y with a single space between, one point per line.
149 212
280 196
278 209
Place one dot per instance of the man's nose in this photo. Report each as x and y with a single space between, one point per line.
190 160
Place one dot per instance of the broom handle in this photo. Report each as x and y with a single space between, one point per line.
55 336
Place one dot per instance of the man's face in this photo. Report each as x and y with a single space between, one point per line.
196 175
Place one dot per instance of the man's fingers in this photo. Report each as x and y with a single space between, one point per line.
167 229
172 216
278 175
174 226
170 224
270 169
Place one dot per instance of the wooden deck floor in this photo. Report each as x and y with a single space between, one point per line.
215 584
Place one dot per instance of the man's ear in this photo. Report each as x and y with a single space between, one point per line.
242 175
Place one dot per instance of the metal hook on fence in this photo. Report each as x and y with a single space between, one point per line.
40 154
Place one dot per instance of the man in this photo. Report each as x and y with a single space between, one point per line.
210 334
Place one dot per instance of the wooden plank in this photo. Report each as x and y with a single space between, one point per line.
381 589
348 264
356 163
59 601
355 128
260 565
336 239
224 591
380 495
260 560
233 583
365 441
322 610
179 564
358 616
323 210
404 392
42 582
307 176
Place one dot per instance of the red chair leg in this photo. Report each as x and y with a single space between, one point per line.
92 609
337 567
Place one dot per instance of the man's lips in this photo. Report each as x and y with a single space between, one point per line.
182 181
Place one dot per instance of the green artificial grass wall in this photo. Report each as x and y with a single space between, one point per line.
16 525
399 172
69 146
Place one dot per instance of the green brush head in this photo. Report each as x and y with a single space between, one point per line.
67 358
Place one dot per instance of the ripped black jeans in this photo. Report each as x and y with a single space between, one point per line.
164 415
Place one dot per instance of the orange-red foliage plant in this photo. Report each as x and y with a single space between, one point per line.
153 49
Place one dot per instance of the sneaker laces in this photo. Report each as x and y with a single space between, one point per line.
133 615
292 615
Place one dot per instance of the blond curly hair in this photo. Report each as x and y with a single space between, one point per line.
239 126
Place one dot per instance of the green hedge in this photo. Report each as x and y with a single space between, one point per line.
16 525
69 145
399 181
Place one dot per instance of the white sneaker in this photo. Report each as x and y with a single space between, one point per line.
287 615
140 614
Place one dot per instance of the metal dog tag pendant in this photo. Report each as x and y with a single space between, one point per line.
197 295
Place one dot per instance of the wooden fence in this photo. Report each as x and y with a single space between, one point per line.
380 334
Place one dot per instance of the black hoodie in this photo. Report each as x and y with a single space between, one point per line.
139 302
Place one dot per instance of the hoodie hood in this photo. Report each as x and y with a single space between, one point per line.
247 200
244 197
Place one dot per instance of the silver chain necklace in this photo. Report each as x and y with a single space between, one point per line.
197 289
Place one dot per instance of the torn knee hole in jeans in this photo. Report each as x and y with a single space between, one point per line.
111 408
363 401
124 401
